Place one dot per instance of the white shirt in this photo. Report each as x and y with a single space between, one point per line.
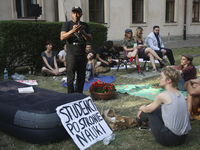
62 53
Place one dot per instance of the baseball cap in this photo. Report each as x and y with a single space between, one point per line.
128 30
188 56
77 8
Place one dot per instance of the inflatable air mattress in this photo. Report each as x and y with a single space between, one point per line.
32 116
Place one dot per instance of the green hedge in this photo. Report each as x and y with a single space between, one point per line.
21 43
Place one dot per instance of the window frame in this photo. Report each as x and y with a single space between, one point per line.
24 8
136 14
145 14
167 11
95 12
194 3
176 14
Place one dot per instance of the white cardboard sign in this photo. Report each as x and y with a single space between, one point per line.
83 122
28 82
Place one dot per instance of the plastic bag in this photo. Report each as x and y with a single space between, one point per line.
17 76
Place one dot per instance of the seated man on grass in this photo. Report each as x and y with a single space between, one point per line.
104 56
61 56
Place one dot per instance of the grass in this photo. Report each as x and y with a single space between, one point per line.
123 104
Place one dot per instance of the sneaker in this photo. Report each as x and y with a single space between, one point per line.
158 69
140 72
154 70
163 61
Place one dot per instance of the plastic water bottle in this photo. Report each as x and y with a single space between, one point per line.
33 70
109 139
29 70
5 74
147 67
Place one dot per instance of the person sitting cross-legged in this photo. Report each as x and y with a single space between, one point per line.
167 114
50 66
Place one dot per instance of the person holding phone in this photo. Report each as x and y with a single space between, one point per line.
76 33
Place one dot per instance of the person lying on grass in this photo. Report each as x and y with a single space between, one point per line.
168 114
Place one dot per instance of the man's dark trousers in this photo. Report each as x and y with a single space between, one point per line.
76 63
169 54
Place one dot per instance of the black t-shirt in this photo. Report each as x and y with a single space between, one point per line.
103 53
75 46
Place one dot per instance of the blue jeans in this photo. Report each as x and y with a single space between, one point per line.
181 84
161 133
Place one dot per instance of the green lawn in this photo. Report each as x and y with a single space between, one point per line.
123 104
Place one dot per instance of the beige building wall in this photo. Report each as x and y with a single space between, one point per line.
5 10
66 6
120 19
117 16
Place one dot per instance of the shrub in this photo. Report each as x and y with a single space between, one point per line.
21 43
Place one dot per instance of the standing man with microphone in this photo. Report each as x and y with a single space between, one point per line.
76 33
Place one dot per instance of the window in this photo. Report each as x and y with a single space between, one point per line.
96 11
137 11
170 9
23 8
195 11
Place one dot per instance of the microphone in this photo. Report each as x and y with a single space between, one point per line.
77 35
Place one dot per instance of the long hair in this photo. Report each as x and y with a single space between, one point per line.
137 38
126 35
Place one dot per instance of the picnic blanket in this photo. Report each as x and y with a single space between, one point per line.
145 91
104 78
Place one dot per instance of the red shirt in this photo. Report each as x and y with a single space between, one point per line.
188 73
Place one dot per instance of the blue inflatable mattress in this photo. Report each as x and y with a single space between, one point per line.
32 116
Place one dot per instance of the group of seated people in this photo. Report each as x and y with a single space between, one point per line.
189 83
148 49
170 113
151 48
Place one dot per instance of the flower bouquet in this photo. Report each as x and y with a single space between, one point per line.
102 90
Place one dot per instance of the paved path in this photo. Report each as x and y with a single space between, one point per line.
144 75
182 43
